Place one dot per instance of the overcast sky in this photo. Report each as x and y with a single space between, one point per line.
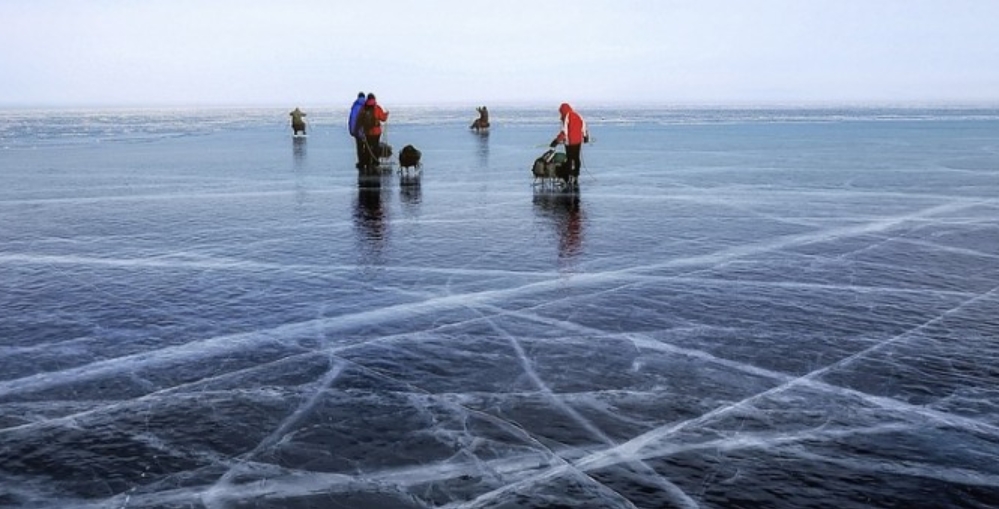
322 52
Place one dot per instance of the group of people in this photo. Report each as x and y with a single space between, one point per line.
365 126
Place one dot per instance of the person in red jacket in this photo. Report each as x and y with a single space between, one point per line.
573 135
369 124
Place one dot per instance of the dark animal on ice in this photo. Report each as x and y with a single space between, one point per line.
409 157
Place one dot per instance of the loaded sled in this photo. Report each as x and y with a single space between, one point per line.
409 159
379 159
551 171
410 166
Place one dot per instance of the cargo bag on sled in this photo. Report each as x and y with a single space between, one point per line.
550 165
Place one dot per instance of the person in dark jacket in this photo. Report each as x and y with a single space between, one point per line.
573 134
483 121
297 122
355 110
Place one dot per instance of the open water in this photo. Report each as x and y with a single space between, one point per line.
741 308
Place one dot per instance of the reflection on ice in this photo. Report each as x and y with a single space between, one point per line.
370 217
299 150
482 136
567 220
715 331
410 192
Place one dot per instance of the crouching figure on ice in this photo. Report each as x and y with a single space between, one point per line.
483 121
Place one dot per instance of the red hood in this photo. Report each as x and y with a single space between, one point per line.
564 109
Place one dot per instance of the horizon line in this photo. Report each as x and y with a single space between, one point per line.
790 104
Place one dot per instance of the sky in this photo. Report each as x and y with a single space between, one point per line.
452 52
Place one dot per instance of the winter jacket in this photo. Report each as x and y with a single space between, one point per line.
354 110
296 118
380 115
573 127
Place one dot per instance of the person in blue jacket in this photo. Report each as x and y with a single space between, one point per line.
355 109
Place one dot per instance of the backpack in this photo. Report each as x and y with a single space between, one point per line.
547 166
366 120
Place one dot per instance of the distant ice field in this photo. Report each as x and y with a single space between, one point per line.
789 308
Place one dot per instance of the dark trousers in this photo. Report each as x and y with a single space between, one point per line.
572 161
298 127
359 143
369 157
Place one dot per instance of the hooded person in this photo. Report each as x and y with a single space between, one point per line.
573 134
355 110
297 122
369 123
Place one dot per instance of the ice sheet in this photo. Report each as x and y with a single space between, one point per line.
739 308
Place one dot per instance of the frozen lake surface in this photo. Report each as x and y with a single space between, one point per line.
740 308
